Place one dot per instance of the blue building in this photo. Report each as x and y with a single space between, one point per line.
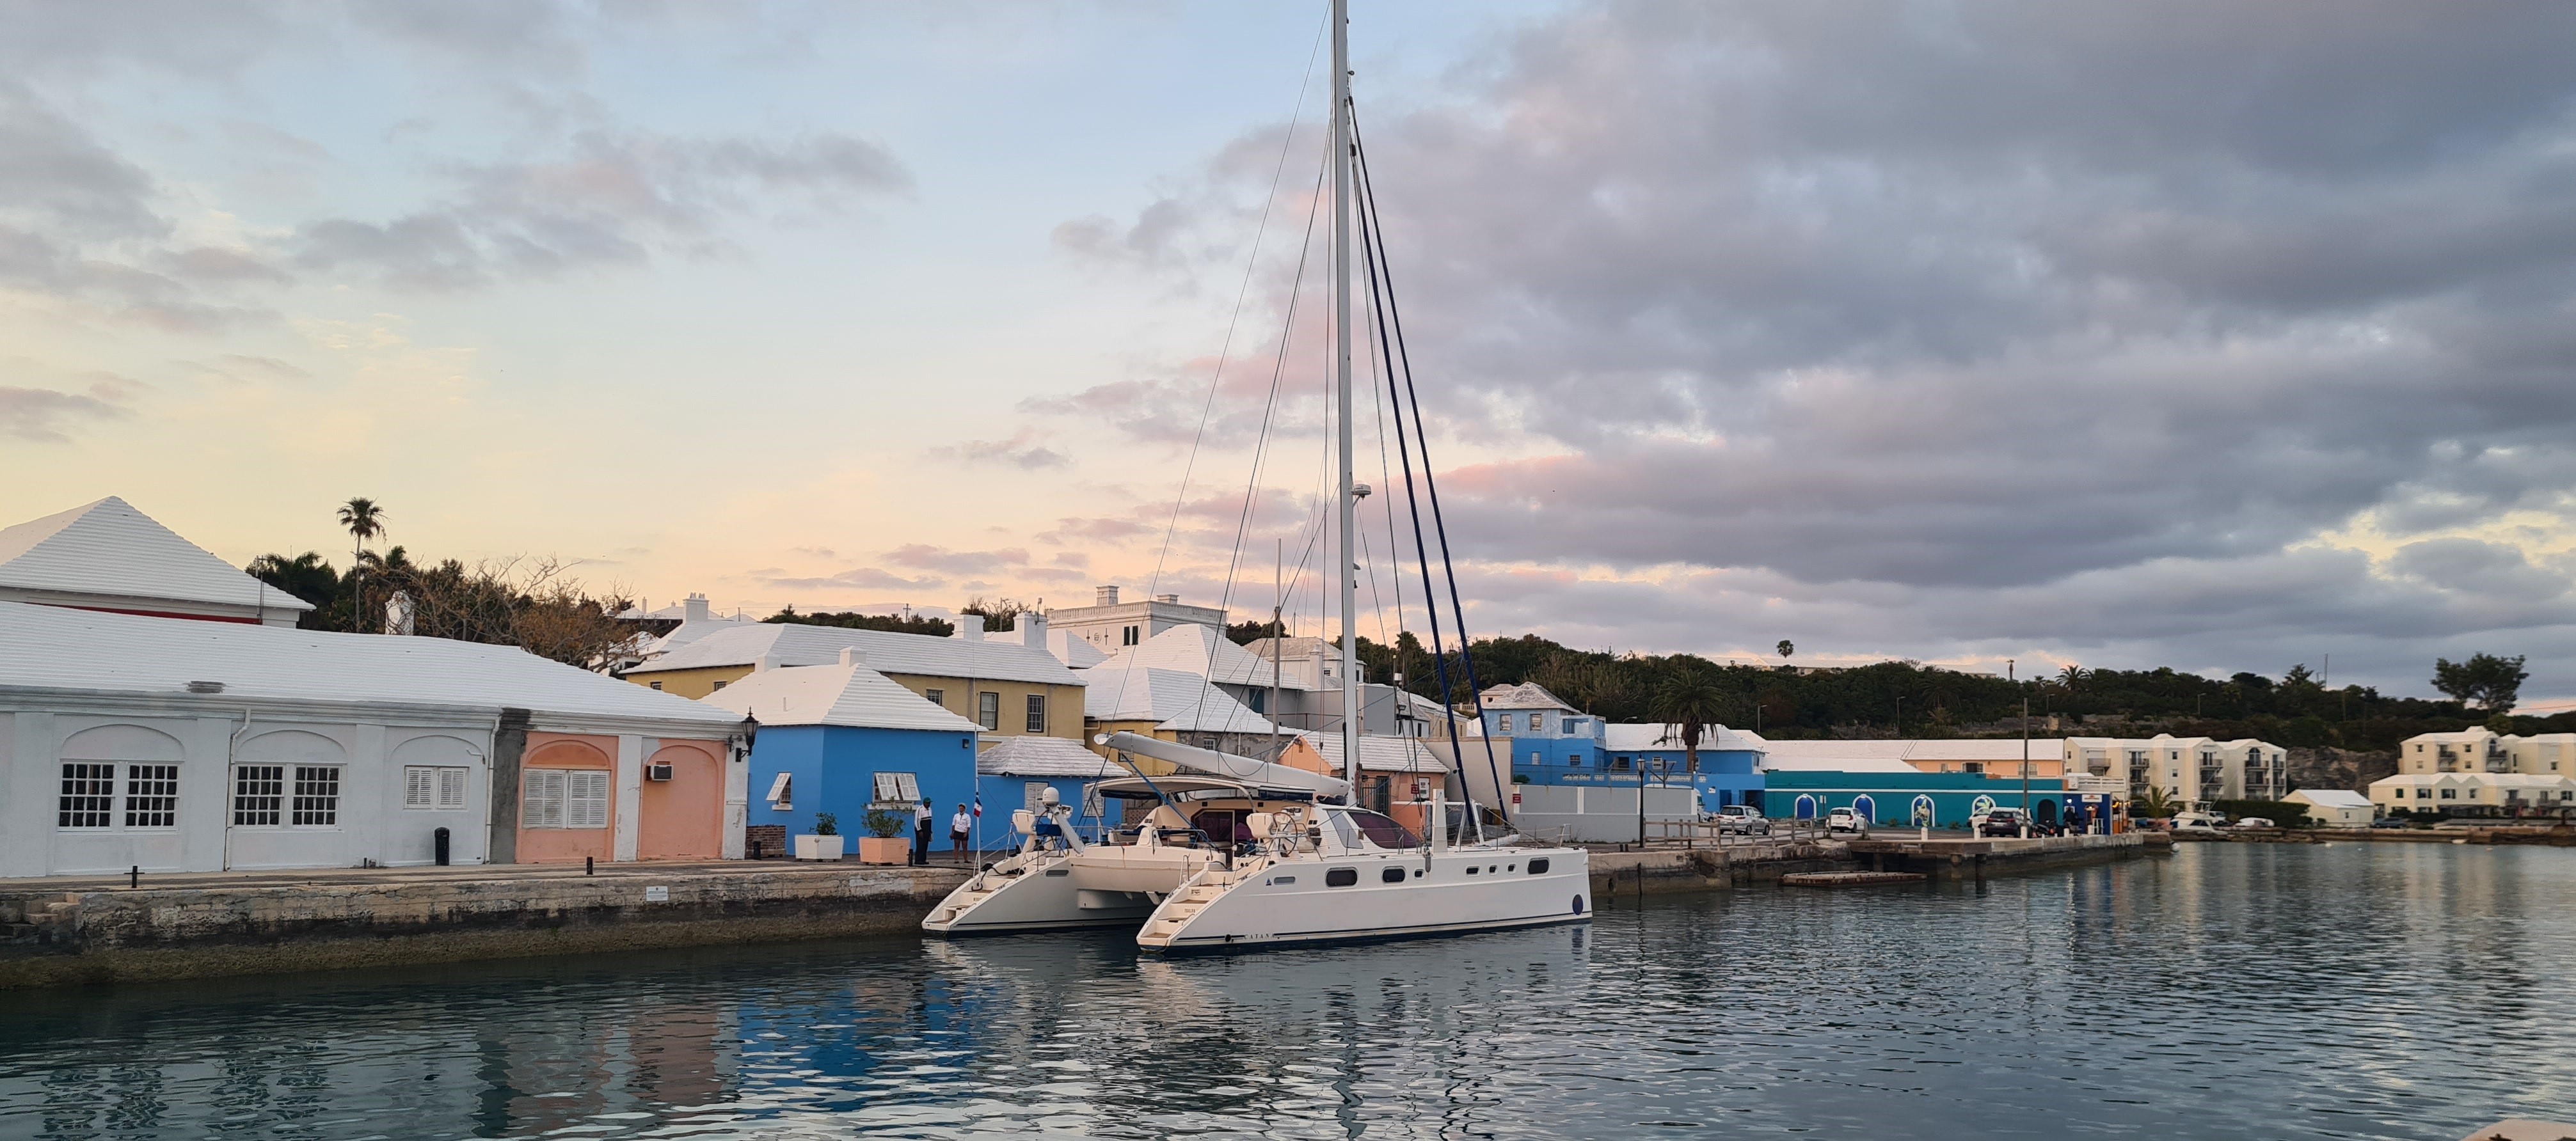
844 739
1555 744
1886 792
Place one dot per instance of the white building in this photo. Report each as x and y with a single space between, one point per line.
2480 750
2189 770
108 556
2475 793
205 746
2335 807
1111 625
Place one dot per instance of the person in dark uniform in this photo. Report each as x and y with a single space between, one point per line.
921 833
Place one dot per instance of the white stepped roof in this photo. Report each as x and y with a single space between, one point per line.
55 648
846 695
1033 755
1526 696
2331 798
794 644
1634 738
1176 700
1381 754
109 549
1205 651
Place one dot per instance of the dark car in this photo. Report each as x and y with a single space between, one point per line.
2390 822
1996 822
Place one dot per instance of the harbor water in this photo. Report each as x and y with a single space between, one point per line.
2226 991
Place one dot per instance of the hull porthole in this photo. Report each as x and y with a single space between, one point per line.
1578 905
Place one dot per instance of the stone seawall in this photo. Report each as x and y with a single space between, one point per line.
172 926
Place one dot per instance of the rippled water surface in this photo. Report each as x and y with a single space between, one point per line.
2229 991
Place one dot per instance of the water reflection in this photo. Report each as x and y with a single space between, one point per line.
2231 991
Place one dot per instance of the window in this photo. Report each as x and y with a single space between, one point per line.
1536 720
89 795
317 796
1037 713
938 697
433 786
2450 794
259 796
1127 636
565 798
898 788
151 796
1621 764
988 710
1538 867
1341 877
654 684
1391 875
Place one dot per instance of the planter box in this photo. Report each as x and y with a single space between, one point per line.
819 847
885 850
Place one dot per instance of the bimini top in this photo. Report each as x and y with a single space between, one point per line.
1227 766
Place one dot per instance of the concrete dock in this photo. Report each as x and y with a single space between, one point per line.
59 931
1962 857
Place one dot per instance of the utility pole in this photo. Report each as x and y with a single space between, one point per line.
2025 769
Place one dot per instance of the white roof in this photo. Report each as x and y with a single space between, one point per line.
690 630
2330 798
1033 755
847 695
109 549
1176 700
1073 650
1381 754
1526 695
796 644
55 648
1988 751
1631 738
1205 651
1835 764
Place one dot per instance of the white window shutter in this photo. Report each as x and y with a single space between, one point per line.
417 780
451 787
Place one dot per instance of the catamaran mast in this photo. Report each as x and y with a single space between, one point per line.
1348 569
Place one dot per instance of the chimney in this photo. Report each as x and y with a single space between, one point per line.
1105 596
853 656
970 627
1174 599
695 609
1033 630
765 663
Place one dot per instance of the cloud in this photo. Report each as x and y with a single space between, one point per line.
55 174
866 578
43 415
2073 324
614 199
923 556
1021 451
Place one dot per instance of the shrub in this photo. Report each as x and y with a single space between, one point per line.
826 824
883 823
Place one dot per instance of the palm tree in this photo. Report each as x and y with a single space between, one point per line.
1787 648
1687 703
365 521
2156 804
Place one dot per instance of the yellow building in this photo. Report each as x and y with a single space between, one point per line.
1001 683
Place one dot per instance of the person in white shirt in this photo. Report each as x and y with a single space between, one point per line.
921 833
961 828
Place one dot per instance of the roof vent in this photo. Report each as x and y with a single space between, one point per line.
205 687
1170 598
853 656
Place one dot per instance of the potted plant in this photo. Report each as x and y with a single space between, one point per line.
824 843
884 843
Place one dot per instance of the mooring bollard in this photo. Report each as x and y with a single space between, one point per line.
134 876
590 865
438 843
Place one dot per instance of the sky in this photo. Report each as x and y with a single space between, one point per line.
2224 336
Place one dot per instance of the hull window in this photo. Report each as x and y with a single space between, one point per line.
1392 875
1341 877
1538 867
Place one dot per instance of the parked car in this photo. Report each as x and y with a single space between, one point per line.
1846 820
1741 818
2391 822
1995 822
2254 822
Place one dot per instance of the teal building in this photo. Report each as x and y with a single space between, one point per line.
1888 797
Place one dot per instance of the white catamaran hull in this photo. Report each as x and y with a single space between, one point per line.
1059 890
1298 899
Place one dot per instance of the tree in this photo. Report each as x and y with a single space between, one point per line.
902 622
305 576
1787 648
2154 803
999 615
364 520
1686 703
2494 683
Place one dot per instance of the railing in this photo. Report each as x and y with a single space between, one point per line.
1705 833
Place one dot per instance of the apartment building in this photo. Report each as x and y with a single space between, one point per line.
2481 750
2188 769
